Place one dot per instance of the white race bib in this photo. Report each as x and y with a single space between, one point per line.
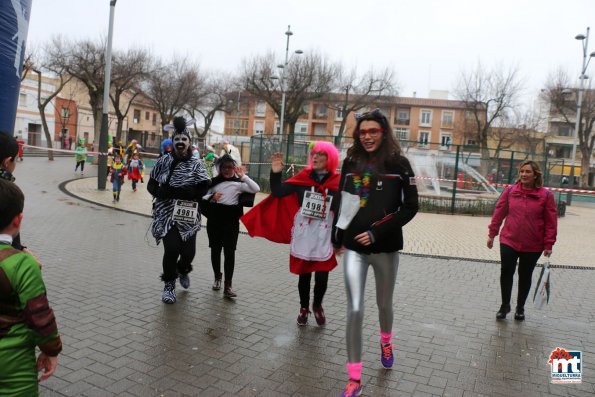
313 205
185 211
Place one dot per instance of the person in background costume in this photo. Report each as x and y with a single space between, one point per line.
300 211
223 213
135 170
166 147
378 182
234 152
117 172
178 181
209 160
21 144
530 228
80 155
26 319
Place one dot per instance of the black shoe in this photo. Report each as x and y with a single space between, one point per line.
504 310
519 314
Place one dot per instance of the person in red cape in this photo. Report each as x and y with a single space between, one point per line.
300 212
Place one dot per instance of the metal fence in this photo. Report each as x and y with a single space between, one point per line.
450 178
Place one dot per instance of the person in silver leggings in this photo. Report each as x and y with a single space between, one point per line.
378 197
356 267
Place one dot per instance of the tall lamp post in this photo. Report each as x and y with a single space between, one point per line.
283 67
584 39
102 163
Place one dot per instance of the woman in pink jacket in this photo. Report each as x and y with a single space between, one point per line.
530 229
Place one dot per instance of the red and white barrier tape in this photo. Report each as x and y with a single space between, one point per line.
146 154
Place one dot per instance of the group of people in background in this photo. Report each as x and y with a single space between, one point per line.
357 214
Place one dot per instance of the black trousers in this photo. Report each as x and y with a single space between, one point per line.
229 261
177 255
320 285
82 164
527 262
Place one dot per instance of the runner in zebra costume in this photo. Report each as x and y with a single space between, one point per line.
178 181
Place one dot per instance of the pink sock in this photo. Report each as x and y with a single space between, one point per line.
354 370
386 337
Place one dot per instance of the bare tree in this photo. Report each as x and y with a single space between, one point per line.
210 101
128 71
173 86
53 66
28 63
519 128
563 104
85 61
307 77
359 92
488 96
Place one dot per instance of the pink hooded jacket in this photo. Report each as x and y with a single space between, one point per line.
531 219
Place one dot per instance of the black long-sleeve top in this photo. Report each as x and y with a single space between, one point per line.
392 203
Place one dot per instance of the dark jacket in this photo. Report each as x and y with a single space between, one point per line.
392 203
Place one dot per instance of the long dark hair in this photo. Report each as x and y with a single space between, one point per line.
389 151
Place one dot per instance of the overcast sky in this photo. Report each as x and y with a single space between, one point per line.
426 42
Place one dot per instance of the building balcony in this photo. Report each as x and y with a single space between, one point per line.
402 122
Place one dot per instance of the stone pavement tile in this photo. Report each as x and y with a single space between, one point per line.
101 272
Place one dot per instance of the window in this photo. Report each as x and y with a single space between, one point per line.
336 130
402 117
154 118
424 139
563 152
258 127
23 99
447 118
320 129
471 142
261 108
306 108
425 117
147 116
321 112
469 115
445 141
136 118
402 134
64 113
564 130
339 112
301 128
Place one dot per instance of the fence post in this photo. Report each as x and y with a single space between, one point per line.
454 184
511 166
260 156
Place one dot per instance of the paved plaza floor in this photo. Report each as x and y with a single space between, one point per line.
101 268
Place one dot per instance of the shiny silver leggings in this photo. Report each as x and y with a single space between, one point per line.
356 265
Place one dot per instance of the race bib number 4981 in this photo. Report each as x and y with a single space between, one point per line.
185 211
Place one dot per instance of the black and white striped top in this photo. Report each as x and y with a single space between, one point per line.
189 172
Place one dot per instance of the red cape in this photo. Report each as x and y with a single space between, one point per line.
272 218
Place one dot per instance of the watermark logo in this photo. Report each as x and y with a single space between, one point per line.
566 366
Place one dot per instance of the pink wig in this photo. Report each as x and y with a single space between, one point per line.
332 155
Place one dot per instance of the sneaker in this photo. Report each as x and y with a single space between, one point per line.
217 284
82 174
353 388
169 292
319 315
302 318
184 281
387 358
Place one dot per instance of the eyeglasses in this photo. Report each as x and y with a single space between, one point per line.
372 114
227 167
318 154
373 132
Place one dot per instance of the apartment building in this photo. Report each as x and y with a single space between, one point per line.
560 138
28 124
422 120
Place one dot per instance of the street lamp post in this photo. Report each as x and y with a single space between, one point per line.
102 163
283 67
579 102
